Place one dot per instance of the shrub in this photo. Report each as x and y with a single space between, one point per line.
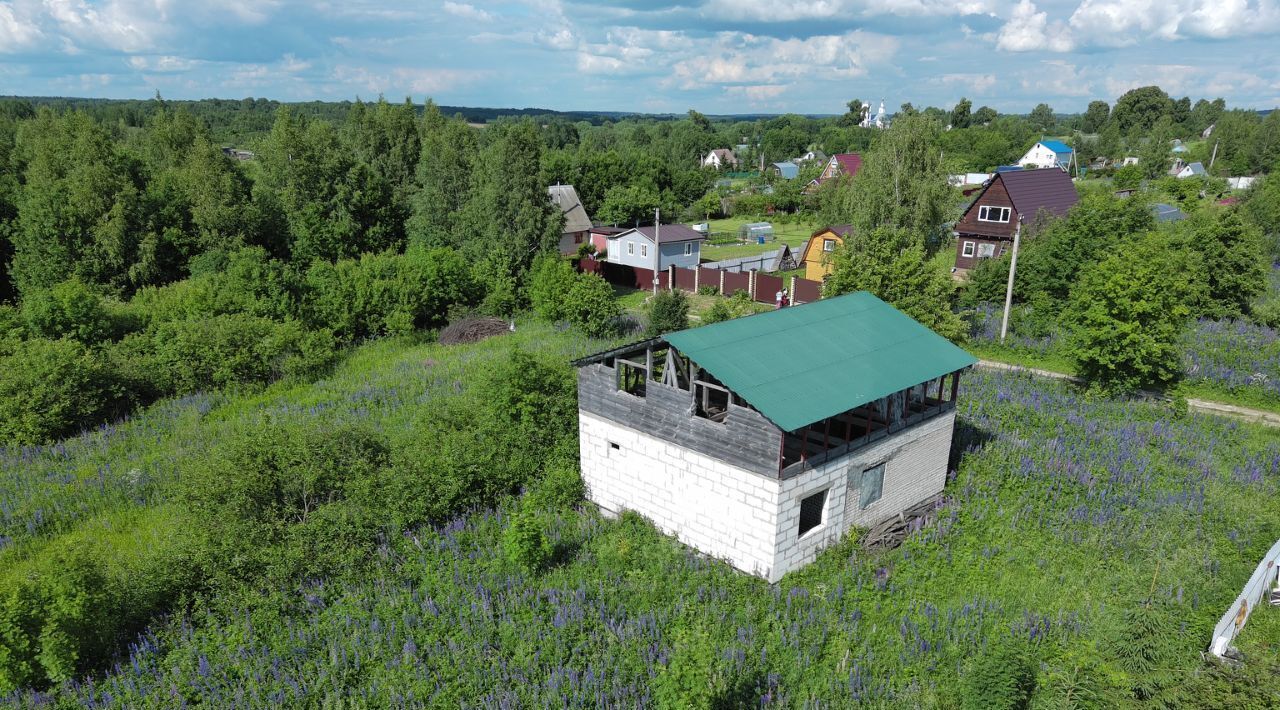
719 311
593 307
285 499
525 544
225 350
49 389
57 623
708 290
247 282
561 487
1127 313
69 309
1002 678
386 294
550 282
668 311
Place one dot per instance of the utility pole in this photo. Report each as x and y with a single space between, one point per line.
657 245
1214 156
1008 291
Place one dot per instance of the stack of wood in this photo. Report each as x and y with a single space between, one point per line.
472 330
890 532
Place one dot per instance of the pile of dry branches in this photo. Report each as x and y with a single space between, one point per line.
472 330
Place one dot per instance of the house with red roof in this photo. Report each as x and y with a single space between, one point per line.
986 228
837 165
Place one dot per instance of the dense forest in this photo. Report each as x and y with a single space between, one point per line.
236 469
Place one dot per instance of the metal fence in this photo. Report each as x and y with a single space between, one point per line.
1254 594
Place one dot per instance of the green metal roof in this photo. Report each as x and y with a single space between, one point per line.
803 364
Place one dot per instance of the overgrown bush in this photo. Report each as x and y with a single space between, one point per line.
525 543
51 388
1001 678
57 623
719 311
1127 314
233 349
70 309
286 499
592 306
247 282
668 311
551 280
387 294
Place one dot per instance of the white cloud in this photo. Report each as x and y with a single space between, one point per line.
1124 22
398 80
162 63
735 57
977 83
757 93
1057 78
1176 79
791 10
467 12
1028 30
17 32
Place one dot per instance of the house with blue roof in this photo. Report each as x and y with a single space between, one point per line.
1046 154
787 170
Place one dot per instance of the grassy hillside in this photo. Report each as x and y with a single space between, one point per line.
1088 536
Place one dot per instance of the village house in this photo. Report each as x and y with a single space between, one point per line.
1183 170
762 440
837 165
720 159
577 225
816 257
656 247
786 170
1047 154
986 228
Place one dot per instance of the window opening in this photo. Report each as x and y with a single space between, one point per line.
872 485
811 511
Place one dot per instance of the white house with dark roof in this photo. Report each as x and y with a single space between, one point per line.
1186 170
657 247
720 159
577 225
763 440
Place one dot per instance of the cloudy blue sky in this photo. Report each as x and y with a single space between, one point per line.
719 56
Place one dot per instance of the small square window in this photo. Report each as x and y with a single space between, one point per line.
811 511
967 249
828 245
986 251
872 485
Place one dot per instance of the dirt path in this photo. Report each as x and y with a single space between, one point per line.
1257 416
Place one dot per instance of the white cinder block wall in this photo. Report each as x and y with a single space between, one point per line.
721 510
915 468
745 518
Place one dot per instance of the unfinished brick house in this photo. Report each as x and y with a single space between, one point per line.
762 440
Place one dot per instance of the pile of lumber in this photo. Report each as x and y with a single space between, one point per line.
890 532
472 330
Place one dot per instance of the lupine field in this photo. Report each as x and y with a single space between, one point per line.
1237 359
1066 515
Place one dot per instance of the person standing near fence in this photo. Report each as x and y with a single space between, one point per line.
777 299
786 298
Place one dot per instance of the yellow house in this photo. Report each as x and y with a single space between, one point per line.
817 253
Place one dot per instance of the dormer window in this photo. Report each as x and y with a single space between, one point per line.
828 245
993 214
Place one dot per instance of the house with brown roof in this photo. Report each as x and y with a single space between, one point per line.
720 159
816 258
986 228
837 165
577 225
657 247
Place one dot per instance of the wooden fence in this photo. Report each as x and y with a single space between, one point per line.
1254 594
760 287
